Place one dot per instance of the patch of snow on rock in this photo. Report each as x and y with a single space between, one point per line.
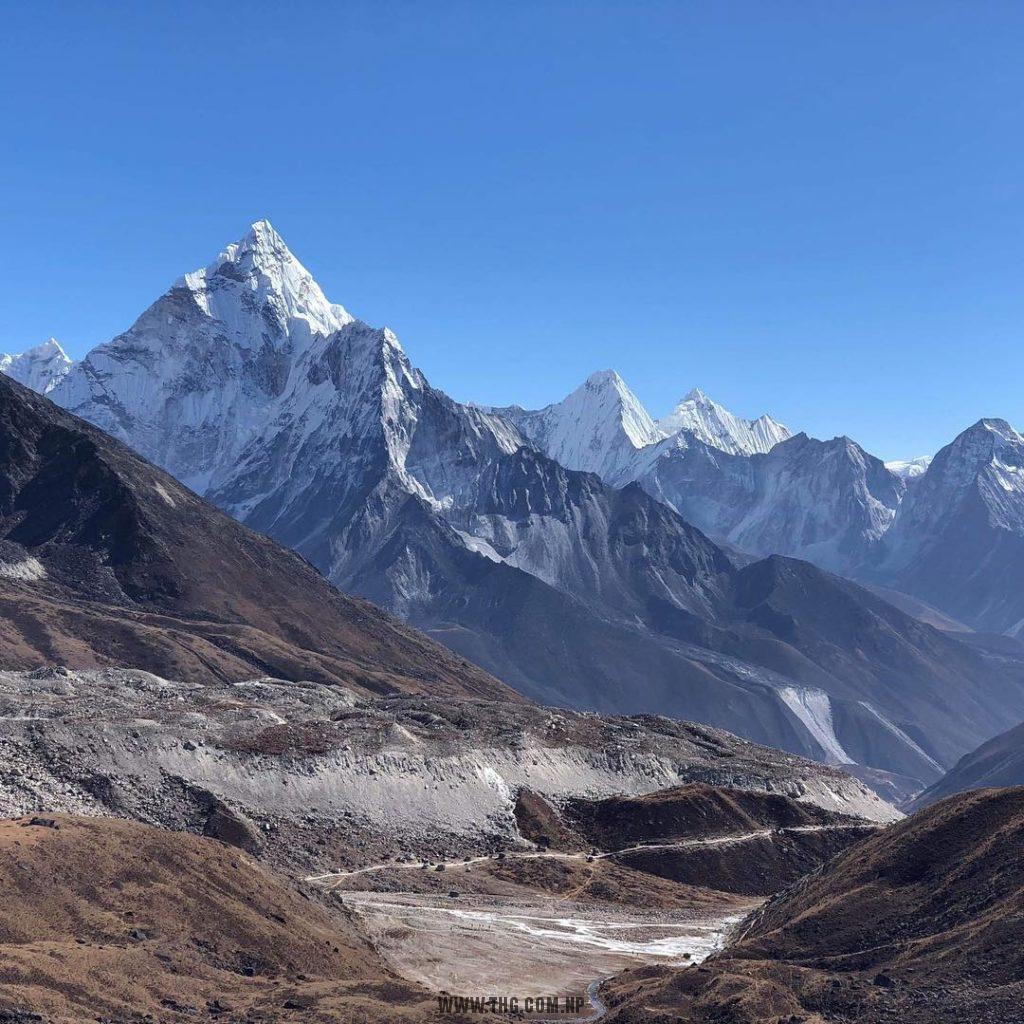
28 569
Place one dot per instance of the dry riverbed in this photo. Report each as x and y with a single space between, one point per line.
494 946
530 923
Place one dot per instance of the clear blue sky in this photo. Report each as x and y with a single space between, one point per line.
815 209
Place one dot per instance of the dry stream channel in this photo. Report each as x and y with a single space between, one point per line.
531 943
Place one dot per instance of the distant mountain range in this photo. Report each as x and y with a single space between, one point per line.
586 553
602 426
947 530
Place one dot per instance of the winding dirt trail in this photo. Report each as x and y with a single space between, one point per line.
580 855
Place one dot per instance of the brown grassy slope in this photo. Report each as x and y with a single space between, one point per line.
142 572
942 892
924 921
108 919
768 840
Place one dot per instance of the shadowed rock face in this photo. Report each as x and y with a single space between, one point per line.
921 922
106 560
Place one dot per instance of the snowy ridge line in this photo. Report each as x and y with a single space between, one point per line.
714 425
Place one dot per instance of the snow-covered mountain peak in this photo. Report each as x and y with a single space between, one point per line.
390 339
41 368
986 462
718 427
980 445
604 378
771 427
603 428
606 383
597 428
956 541
50 349
205 368
606 396
1000 452
1000 429
258 278
261 237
